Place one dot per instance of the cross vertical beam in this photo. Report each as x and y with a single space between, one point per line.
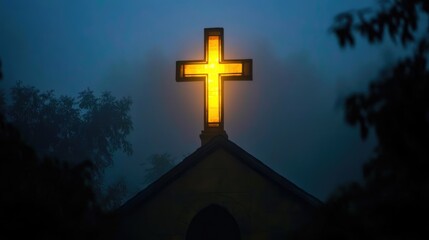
213 70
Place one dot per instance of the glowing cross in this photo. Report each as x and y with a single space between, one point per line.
213 70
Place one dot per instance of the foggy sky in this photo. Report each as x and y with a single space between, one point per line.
288 117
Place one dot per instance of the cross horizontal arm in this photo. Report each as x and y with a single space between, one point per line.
229 70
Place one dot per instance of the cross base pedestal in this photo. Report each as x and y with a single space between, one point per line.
209 133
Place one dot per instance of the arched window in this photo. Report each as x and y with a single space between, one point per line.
212 223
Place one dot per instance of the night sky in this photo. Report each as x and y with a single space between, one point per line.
289 116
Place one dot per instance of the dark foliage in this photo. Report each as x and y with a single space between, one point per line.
397 19
73 130
44 198
88 127
392 202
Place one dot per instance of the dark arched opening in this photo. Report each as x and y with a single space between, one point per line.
212 223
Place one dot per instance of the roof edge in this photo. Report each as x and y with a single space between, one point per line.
192 159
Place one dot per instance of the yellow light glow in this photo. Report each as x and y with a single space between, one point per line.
212 71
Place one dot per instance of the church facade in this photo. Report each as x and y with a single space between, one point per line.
218 192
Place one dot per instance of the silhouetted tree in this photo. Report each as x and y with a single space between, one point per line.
392 202
398 19
88 127
44 198
74 130
158 165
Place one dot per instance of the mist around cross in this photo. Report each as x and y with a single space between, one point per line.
289 116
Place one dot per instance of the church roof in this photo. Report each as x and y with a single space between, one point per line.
219 142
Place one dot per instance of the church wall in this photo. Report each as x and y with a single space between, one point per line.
262 209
